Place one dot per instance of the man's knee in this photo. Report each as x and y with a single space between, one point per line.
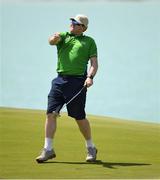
52 116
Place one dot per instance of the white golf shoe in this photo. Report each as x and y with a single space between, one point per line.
91 154
45 155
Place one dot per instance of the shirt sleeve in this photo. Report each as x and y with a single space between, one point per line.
62 35
93 49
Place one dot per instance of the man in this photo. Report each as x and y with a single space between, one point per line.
74 51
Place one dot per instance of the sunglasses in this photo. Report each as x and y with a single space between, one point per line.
74 23
78 24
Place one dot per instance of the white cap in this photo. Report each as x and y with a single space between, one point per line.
81 19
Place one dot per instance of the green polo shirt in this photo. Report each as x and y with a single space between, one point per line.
74 52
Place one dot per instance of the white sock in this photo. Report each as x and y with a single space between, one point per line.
89 143
48 143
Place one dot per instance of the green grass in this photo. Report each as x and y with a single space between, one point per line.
127 149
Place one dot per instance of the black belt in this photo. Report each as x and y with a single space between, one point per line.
69 76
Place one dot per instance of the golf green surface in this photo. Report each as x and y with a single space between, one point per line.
126 149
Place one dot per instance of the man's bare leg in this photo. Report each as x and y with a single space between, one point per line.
85 129
50 129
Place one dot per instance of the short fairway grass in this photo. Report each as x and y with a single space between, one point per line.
126 149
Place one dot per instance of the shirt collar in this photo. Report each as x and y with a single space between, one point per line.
71 34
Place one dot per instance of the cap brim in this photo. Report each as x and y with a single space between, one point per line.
72 19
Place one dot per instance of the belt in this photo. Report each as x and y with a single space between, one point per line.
70 76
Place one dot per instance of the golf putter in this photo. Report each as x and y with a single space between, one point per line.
65 105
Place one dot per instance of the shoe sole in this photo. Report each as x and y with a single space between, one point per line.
41 160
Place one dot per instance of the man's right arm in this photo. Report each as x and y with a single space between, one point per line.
54 39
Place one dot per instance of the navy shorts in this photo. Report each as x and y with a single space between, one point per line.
62 90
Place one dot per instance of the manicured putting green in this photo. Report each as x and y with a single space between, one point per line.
126 149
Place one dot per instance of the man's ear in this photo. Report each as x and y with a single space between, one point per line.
84 28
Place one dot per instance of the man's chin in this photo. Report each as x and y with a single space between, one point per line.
71 31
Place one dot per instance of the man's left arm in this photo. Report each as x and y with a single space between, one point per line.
92 71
